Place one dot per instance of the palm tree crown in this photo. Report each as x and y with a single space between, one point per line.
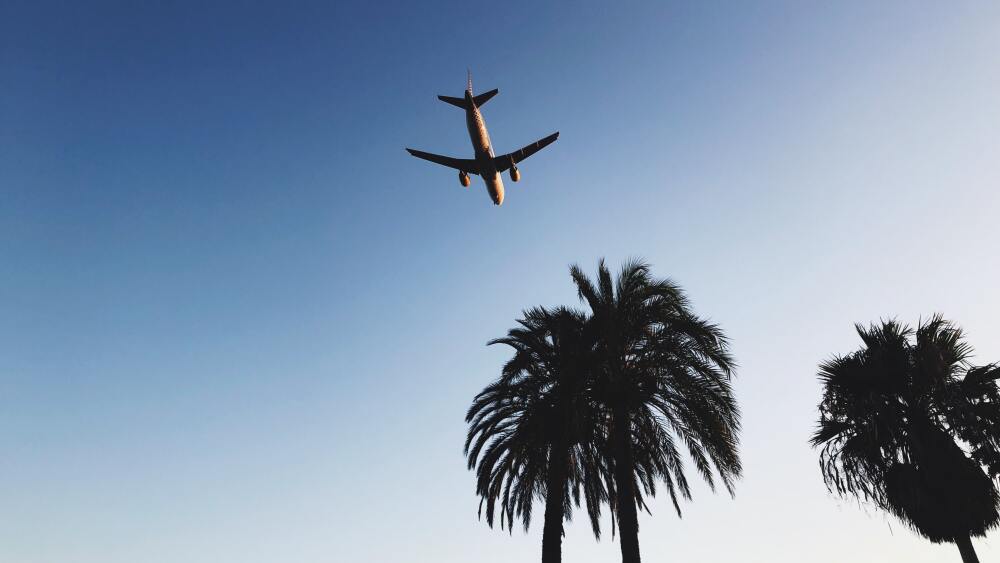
663 384
531 431
894 418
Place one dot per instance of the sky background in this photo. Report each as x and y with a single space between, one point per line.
240 324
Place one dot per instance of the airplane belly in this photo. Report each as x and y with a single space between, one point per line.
473 134
478 134
494 184
484 139
484 162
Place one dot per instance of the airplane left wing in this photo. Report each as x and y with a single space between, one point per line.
508 160
464 164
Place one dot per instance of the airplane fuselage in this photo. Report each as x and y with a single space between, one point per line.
485 163
483 149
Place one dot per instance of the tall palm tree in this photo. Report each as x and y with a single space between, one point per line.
531 432
664 385
896 419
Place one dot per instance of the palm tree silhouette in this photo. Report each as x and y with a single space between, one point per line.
893 420
531 432
663 384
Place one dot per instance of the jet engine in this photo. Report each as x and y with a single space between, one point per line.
515 174
464 178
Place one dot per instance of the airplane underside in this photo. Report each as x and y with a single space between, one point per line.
488 166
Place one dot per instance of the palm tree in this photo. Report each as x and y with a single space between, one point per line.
664 385
531 431
896 419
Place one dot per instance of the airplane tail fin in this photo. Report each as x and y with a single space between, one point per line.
477 100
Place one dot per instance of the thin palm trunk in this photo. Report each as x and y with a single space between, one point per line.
555 495
964 544
628 517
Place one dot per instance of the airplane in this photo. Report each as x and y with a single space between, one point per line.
486 164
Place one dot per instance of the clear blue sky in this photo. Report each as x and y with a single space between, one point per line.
239 323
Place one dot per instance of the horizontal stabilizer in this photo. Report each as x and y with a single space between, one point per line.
505 162
464 164
484 97
457 102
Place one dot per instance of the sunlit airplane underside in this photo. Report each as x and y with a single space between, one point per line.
485 164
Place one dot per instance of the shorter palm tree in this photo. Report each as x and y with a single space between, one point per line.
896 419
531 431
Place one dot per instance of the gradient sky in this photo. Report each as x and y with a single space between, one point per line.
239 323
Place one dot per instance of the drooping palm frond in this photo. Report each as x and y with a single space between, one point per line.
974 411
535 415
942 495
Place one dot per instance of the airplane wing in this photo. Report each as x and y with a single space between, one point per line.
504 162
465 164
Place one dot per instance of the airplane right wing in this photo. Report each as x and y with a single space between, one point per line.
508 160
467 165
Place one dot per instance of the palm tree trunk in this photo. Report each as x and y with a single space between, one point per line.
965 548
628 517
555 494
